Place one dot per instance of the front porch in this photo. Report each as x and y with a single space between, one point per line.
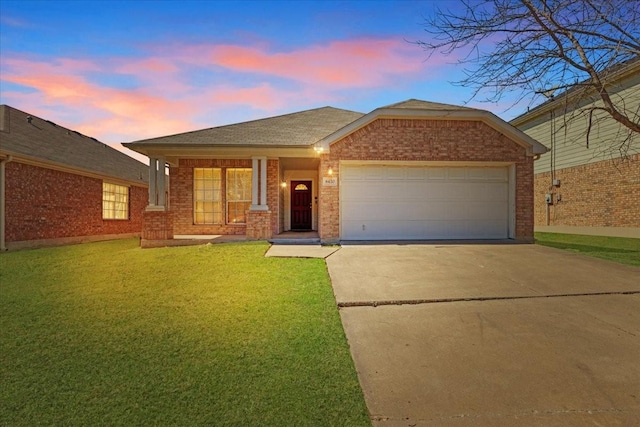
282 204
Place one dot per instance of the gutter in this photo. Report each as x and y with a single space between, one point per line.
3 198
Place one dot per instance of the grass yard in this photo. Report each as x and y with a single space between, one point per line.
618 249
109 334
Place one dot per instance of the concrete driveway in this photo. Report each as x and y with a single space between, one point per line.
491 334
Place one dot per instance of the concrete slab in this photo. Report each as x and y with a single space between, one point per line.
566 361
561 361
301 251
369 273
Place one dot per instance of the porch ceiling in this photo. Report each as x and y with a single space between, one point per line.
297 163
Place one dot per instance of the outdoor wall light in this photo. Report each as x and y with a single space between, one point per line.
330 171
318 149
283 184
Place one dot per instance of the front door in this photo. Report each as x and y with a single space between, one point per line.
301 205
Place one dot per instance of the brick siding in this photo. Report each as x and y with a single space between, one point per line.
158 225
259 225
427 140
181 193
43 203
602 194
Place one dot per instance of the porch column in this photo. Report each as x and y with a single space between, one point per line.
263 183
160 181
157 184
153 169
259 179
157 220
254 183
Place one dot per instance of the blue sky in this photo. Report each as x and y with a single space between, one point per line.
126 70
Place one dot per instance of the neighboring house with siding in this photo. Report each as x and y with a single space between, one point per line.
408 171
588 186
58 186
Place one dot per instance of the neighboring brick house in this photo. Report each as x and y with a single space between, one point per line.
588 186
58 186
409 171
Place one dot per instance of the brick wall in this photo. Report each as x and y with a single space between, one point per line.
43 203
602 194
428 140
158 225
181 183
259 225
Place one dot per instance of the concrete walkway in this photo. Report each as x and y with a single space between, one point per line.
491 335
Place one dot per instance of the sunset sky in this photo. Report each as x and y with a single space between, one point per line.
127 70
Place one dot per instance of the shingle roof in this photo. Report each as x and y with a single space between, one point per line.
416 104
296 129
43 140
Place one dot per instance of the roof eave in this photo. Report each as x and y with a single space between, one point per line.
172 152
50 164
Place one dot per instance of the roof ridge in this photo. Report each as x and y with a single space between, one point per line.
424 103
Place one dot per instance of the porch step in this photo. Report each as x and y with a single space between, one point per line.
295 241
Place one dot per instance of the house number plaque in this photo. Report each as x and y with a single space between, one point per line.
329 181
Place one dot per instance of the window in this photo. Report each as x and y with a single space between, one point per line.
207 203
115 201
238 195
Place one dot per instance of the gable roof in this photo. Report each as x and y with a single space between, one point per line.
296 129
414 108
31 138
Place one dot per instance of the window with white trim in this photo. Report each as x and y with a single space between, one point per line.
207 200
238 194
115 201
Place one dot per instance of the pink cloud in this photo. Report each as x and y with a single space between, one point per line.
127 112
354 63
263 95
175 85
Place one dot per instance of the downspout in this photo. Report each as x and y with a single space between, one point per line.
3 181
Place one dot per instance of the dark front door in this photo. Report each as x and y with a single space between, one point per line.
301 205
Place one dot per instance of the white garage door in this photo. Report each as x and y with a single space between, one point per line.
403 202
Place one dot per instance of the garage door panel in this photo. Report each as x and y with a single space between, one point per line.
392 202
377 211
416 173
457 174
434 173
496 192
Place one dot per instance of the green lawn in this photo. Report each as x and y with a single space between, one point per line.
619 249
109 334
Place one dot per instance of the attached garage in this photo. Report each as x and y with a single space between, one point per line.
416 202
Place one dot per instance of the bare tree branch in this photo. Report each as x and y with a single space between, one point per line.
527 47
